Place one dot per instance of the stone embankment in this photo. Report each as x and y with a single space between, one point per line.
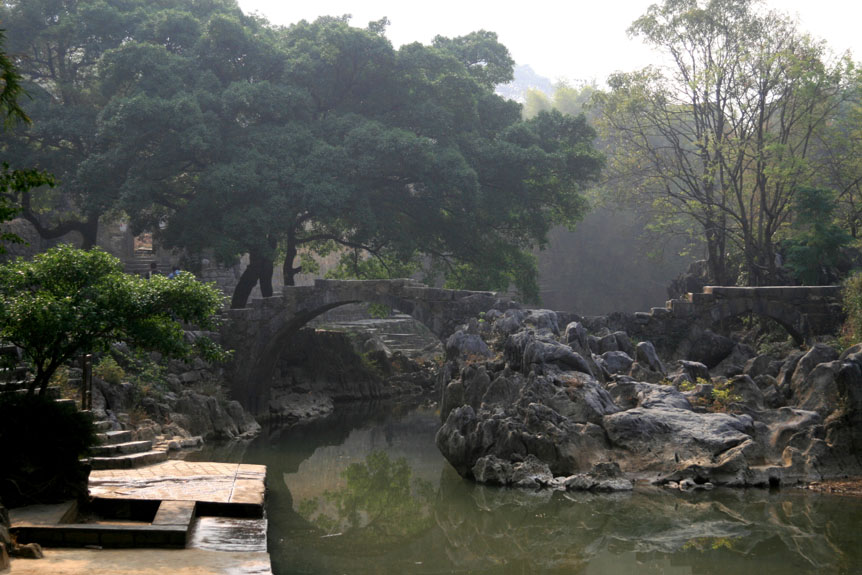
528 400
191 406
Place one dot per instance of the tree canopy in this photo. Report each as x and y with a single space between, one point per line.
723 138
13 181
218 131
68 301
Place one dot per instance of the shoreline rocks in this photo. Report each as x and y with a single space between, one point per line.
559 411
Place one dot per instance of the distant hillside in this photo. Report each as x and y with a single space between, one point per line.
525 79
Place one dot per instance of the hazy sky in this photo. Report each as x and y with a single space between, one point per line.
577 39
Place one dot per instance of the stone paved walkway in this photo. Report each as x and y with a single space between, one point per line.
234 483
220 546
143 562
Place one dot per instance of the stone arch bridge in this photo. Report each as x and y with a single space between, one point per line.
259 332
803 311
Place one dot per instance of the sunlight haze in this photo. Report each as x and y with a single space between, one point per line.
572 40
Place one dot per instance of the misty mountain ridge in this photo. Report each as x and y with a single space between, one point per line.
525 79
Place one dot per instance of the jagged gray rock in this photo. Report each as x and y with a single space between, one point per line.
605 476
710 349
645 354
544 408
466 345
617 361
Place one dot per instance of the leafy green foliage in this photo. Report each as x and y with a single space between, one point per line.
109 370
68 301
42 441
13 182
814 242
10 88
218 131
722 397
719 142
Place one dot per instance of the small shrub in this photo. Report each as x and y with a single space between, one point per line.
108 370
722 398
686 385
379 311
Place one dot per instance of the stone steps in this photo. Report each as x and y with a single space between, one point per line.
102 426
112 437
127 448
130 461
120 450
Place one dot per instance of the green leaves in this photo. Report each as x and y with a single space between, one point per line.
68 301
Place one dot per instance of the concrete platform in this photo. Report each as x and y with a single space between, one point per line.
143 562
238 486
175 517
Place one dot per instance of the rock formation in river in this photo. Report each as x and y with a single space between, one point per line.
564 407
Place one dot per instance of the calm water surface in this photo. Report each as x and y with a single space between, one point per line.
366 491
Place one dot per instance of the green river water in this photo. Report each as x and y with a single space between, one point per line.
366 491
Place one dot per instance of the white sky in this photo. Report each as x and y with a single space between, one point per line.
576 39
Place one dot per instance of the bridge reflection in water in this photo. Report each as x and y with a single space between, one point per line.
367 492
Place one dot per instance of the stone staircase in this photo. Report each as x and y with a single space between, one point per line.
119 450
116 449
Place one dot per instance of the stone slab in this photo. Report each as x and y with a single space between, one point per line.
176 480
175 513
247 492
144 562
129 461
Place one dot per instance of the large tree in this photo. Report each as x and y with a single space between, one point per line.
722 136
401 155
70 54
218 131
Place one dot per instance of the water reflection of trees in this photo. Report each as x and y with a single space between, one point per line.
379 505
384 519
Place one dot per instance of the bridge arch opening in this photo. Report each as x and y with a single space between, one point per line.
787 316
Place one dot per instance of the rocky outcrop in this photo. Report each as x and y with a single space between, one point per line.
293 407
188 412
560 404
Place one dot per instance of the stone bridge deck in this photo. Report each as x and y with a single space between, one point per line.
438 308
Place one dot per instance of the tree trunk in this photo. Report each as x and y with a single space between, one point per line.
289 271
265 276
259 270
89 231
246 283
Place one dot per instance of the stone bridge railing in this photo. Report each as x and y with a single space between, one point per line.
259 332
